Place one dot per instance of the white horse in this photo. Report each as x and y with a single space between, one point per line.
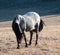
31 22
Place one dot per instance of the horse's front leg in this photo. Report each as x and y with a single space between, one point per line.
25 39
31 34
19 39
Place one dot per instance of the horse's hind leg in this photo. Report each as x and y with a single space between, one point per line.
18 44
31 33
25 39
18 38
17 33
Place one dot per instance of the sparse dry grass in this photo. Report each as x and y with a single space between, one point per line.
48 43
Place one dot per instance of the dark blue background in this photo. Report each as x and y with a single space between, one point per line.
9 8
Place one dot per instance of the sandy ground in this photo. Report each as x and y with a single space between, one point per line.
48 43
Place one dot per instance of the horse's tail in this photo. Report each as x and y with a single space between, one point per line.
41 25
16 30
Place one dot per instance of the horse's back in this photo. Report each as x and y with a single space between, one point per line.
32 15
32 18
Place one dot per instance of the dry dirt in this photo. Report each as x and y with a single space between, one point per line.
48 42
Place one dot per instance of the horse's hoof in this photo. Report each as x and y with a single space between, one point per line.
18 47
29 43
26 45
35 44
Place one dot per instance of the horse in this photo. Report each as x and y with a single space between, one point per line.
29 22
